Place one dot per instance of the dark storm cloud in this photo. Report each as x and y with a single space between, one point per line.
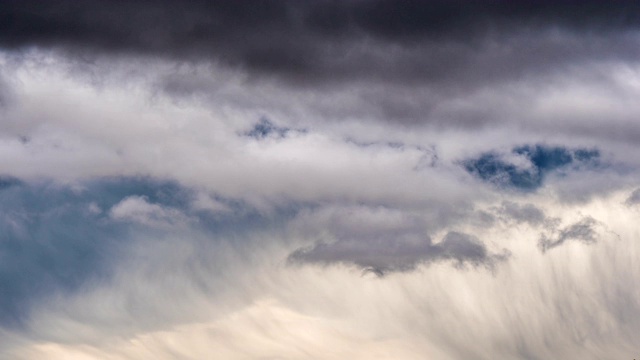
168 25
382 255
539 160
328 40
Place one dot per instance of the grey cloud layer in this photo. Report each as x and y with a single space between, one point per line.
383 254
452 65
182 176
424 41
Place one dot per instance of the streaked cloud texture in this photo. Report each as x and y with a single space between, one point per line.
352 179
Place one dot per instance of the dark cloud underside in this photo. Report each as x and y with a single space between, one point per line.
382 255
325 40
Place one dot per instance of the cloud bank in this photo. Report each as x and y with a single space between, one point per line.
319 179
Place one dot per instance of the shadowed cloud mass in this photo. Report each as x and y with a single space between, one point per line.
302 41
583 231
383 255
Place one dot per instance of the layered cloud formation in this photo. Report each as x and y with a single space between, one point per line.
319 179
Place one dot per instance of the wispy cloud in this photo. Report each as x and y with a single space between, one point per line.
319 179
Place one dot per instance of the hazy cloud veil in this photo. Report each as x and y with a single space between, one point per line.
361 179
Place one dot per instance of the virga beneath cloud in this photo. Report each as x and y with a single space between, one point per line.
319 179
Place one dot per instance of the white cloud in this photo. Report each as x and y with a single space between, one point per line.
137 209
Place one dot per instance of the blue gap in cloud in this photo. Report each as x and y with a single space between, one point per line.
264 128
51 239
491 167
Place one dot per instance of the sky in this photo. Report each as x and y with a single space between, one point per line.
298 179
